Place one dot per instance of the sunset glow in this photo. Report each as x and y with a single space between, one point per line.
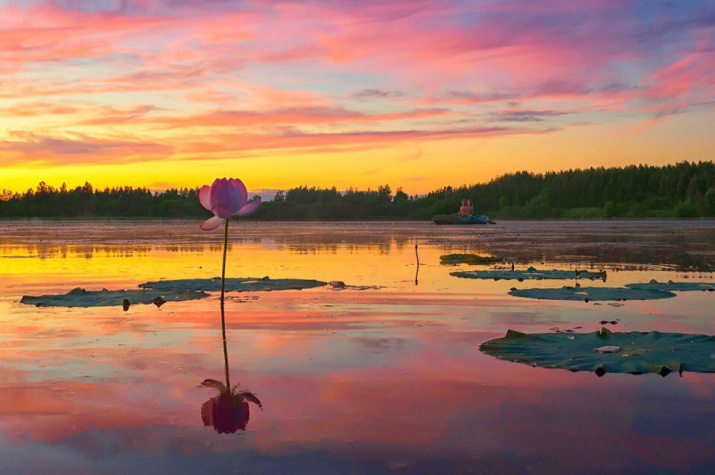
418 94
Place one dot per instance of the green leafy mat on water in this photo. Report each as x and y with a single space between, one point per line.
529 274
472 259
607 352
237 284
674 286
587 294
107 298
170 291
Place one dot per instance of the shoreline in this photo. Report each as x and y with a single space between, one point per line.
336 221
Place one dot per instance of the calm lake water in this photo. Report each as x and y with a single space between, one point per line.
386 379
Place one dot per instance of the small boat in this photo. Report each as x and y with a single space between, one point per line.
456 219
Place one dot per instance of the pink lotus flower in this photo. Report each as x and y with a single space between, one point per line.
225 198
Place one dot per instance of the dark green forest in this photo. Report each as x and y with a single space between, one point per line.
682 190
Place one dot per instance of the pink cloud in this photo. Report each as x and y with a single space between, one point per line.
279 66
32 147
292 116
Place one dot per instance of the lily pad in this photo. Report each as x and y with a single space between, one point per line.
529 274
608 352
237 284
592 293
674 286
107 298
472 259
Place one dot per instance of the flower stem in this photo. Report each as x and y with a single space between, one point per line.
223 317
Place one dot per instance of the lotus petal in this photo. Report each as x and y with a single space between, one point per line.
211 223
242 191
249 209
205 197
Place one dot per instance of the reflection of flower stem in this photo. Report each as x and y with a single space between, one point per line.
223 318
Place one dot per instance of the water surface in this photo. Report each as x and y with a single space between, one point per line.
352 381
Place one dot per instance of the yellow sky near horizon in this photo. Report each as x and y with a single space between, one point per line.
416 167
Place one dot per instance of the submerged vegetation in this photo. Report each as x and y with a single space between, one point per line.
596 294
607 352
80 297
237 284
164 291
683 190
530 274
471 259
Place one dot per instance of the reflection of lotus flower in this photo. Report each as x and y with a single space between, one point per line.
225 198
228 412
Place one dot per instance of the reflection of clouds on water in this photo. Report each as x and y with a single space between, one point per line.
143 407
381 345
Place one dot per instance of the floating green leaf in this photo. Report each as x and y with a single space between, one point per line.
674 286
472 259
234 284
106 298
529 274
588 294
607 352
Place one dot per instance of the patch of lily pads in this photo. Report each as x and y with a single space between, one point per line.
604 351
163 291
674 286
587 294
107 298
472 259
238 284
529 274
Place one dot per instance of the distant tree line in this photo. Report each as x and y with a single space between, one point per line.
683 190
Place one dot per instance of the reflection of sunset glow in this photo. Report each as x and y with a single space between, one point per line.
348 378
163 93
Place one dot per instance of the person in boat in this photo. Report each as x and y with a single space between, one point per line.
464 210
470 205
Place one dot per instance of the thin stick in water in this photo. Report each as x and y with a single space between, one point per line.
417 272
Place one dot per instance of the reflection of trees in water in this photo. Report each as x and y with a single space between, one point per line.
684 253
674 245
641 257
320 243
183 248
87 251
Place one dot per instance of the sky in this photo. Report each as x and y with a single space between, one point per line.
417 94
